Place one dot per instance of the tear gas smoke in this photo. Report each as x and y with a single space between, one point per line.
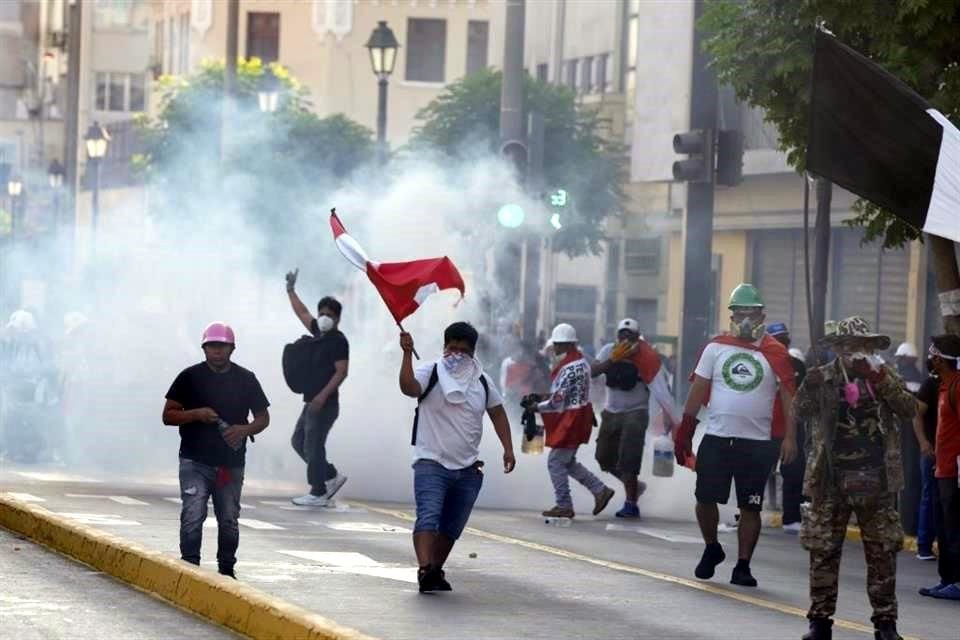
155 280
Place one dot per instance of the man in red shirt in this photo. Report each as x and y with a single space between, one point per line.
945 358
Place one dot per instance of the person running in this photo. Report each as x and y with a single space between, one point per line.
331 358
633 373
853 406
452 395
568 420
211 402
743 375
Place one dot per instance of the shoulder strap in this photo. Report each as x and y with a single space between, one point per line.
486 389
431 383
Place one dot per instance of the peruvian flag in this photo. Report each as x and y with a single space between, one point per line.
402 285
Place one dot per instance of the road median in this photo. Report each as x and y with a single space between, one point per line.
209 595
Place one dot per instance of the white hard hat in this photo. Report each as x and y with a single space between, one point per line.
796 353
906 349
563 332
22 320
629 324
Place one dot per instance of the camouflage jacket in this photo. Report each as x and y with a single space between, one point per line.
819 406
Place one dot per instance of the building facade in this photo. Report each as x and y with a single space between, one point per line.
633 61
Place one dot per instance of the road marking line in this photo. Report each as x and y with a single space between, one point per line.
336 507
54 477
362 527
626 568
130 502
179 501
653 533
26 497
259 524
100 519
356 564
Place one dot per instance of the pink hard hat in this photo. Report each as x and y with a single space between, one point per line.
218 332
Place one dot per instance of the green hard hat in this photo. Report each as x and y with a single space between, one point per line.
745 295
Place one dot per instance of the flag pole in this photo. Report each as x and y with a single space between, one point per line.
417 355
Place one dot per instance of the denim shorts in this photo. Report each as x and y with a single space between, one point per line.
444 497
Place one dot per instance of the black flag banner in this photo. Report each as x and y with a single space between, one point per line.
873 135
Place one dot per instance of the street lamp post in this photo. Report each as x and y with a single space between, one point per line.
55 174
382 46
268 95
14 190
96 140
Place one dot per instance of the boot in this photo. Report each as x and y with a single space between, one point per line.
820 629
886 630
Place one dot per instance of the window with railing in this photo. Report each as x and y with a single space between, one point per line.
642 256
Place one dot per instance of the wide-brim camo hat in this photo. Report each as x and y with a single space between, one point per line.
856 328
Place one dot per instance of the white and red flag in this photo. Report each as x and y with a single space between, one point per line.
402 285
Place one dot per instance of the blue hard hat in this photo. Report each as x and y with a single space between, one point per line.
777 329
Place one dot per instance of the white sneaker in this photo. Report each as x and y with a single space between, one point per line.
334 484
793 528
311 500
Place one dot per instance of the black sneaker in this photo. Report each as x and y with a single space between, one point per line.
742 576
712 556
440 581
228 572
425 579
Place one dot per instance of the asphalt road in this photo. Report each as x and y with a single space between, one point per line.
513 575
46 595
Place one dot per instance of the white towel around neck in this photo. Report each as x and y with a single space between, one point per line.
454 388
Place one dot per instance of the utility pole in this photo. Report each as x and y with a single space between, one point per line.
230 73
509 261
698 284
71 133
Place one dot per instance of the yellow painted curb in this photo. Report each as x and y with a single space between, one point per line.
774 519
217 598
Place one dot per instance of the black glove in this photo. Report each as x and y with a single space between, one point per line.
530 427
292 279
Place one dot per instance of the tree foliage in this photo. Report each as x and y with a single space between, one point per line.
576 157
272 164
764 49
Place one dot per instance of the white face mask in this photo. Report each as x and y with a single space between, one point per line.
454 362
324 324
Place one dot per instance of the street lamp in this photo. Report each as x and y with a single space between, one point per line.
269 92
55 173
382 46
97 140
14 189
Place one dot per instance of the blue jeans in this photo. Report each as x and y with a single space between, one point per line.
927 513
444 498
198 482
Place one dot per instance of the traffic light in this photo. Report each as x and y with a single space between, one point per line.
515 151
511 216
729 158
699 167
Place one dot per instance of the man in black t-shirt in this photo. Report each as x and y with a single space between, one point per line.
331 356
211 402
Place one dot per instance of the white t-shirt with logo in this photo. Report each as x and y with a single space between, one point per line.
447 433
743 388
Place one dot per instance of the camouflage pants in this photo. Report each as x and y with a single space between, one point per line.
822 534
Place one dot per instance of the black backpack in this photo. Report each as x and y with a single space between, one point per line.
299 363
622 375
431 383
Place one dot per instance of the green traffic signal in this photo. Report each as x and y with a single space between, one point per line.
511 216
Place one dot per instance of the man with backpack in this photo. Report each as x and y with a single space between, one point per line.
633 372
316 366
452 395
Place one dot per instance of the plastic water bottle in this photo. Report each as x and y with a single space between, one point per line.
663 456
558 522
223 426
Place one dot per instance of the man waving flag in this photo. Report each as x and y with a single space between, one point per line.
402 285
